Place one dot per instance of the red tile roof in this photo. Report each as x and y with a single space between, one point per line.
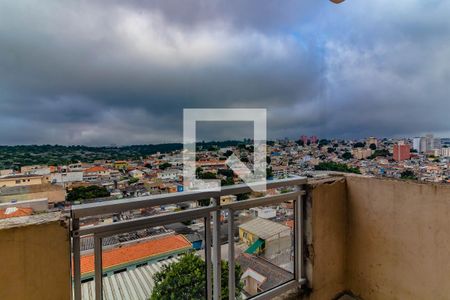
135 252
95 169
20 212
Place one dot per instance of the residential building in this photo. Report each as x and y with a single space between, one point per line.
401 151
67 177
6 172
361 153
23 180
260 275
445 152
128 256
95 173
54 193
269 239
35 170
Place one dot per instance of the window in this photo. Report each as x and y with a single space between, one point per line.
17 181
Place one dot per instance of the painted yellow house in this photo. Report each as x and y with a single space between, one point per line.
120 165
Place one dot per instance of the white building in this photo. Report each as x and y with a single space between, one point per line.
445 152
171 174
66 177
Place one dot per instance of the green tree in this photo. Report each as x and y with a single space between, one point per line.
207 175
269 173
87 192
408 174
133 180
164 166
332 166
347 155
373 146
186 279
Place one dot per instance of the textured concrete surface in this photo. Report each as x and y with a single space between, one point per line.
398 242
35 258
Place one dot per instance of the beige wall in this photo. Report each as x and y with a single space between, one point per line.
398 243
54 193
34 259
21 181
326 235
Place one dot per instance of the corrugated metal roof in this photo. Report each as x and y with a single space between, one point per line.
263 228
135 284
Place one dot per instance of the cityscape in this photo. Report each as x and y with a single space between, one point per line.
29 189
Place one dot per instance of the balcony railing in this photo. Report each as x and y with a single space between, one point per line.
211 217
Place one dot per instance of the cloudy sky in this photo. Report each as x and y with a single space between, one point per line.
118 72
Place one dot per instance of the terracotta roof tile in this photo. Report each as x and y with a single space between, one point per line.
18 212
135 252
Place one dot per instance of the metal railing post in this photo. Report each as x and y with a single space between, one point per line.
231 263
298 237
98 268
208 238
216 258
76 248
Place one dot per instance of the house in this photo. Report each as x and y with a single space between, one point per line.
228 199
13 212
128 256
120 165
54 193
138 174
260 275
264 212
95 173
23 180
67 177
269 239
171 174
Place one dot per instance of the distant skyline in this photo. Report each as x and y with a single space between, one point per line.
116 72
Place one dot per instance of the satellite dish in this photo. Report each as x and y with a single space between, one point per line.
337 1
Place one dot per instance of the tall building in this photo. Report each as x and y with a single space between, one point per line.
314 139
426 144
445 152
402 151
372 140
416 143
305 139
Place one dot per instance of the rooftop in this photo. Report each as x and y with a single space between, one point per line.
134 253
263 228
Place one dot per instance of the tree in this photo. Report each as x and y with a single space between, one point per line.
373 146
332 166
347 155
89 192
207 175
228 181
133 180
300 143
359 145
382 153
186 279
164 166
408 174
269 173
228 153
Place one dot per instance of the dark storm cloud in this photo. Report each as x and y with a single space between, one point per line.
95 72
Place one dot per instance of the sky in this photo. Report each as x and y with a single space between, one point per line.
121 72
